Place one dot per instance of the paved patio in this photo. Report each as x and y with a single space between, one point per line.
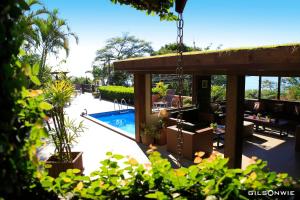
97 140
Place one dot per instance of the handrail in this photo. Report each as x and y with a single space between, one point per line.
116 101
125 103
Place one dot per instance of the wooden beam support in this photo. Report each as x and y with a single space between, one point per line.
259 88
278 87
235 95
139 103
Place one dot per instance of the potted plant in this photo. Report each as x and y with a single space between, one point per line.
214 126
162 121
161 88
63 131
149 133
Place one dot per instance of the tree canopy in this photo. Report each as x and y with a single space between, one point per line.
118 48
158 7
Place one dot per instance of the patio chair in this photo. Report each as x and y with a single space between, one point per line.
169 97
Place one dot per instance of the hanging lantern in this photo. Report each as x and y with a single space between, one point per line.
179 5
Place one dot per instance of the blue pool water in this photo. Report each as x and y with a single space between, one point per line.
123 120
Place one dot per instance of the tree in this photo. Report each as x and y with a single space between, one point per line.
119 48
49 36
158 7
267 84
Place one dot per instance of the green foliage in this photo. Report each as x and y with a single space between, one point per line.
218 93
172 48
65 130
161 89
122 177
152 128
22 110
187 101
117 92
81 80
251 94
158 7
118 48
219 80
46 35
268 94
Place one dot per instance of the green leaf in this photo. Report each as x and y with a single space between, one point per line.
35 69
118 157
46 183
76 171
45 106
35 80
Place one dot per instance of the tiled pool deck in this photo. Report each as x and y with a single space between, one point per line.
97 140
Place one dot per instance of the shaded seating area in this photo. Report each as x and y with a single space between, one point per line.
236 64
282 115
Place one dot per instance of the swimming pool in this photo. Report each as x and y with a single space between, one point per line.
121 122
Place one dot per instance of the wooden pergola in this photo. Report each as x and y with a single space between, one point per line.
282 60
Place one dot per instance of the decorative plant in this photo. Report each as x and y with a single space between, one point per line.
151 129
209 178
214 126
64 131
161 88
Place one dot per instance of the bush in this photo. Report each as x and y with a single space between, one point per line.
187 101
117 92
210 178
218 93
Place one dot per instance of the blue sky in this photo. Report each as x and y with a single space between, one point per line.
232 23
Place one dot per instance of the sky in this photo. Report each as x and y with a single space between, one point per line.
231 23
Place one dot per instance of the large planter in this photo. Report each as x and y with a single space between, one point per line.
163 137
147 140
57 166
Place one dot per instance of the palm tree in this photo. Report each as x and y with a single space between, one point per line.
50 35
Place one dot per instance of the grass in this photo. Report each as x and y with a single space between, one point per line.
229 50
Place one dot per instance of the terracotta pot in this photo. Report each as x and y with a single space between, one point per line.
147 140
155 98
57 166
163 137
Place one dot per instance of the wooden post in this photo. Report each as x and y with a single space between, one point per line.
259 88
235 95
139 103
201 89
278 87
297 142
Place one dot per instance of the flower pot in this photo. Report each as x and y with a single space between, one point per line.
58 166
163 137
147 140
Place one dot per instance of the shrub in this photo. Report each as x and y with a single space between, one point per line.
117 92
209 179
187 101
218 93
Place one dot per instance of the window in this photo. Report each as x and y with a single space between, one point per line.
269 87
218 88
290 88
251 87
165 91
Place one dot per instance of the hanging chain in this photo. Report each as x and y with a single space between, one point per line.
179 73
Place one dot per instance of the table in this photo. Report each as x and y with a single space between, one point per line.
279 124
160 104
219 134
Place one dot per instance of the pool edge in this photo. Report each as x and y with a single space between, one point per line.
105 125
